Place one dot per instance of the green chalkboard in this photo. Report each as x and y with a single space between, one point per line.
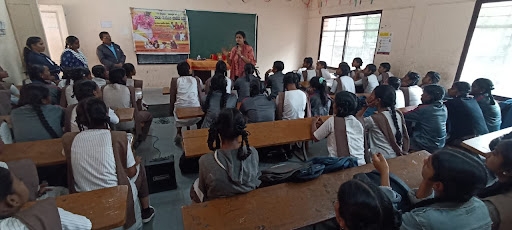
212 31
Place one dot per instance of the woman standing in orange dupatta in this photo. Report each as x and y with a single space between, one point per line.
240 55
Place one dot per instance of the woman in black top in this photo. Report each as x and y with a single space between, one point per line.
33 55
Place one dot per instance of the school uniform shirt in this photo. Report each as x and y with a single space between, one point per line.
311 74
400 99
379 78
100 81
347 84
355 137
275 81
465 118
114 119
243 86
94 166
70 99
372 84
294 106
214 107
415 93
26 125
492 113
317 108
15 92
376 139
325 74
68 221
208 83
430 126
55 91
186 96
117 96
63 83
258 109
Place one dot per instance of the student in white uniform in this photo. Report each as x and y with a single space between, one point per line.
295 100
347 83
100 75
387 133
14 194
384 73
357 73
307 71
321 67
73 75
345 107
220 68
369 81
400 99
411 89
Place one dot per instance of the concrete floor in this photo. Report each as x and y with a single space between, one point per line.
168 204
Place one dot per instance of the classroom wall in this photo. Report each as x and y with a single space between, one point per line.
10 57
427 34
281 29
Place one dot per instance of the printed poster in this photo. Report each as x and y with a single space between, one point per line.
384 43
160 31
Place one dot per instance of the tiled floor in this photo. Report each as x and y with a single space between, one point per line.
168 204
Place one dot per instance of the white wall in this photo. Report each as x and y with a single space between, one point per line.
427 34
10 57
281 29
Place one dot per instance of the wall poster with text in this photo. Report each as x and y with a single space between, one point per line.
160 31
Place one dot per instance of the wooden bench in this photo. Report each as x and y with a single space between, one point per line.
42 153
260 135
189 112
125 114
166 91
290 205
105 208
480 144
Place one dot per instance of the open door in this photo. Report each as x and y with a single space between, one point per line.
55 28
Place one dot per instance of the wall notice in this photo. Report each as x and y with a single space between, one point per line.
384 43
160 31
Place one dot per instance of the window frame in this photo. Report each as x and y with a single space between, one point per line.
346 30
469 37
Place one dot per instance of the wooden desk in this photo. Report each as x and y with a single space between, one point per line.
480 144
189 112
305 84
166 90
42 153
408 109
260 135
125 114
105 208
7 119
290 205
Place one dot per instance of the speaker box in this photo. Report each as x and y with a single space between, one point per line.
161 176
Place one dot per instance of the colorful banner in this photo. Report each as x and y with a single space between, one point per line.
160 31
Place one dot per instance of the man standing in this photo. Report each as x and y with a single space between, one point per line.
110 54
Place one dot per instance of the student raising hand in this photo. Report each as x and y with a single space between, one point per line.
380 163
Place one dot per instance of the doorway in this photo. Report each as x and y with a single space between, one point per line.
55 29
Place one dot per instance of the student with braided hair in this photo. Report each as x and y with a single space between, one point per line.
40 74
233 167
318 97
217 99
411 90
344 133
222 69
258 107
481 89
242 84
387 133
73 76
36 119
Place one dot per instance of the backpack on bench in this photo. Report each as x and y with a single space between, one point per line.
290 172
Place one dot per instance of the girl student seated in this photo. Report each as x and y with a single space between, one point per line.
431 78
497 195
465 118
107 163
222 69
185 92
387 132
275 81
83 90
100 75
293 102
217 99
40 74
73 75
400 99
445 199
118 95
357 73
343 82
429 120
344 133
318 97
36 119
481 90
369 81
44 214
307 71
15 92
232 168
129 68
242 84
321 70
384 73
258 107
412 91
